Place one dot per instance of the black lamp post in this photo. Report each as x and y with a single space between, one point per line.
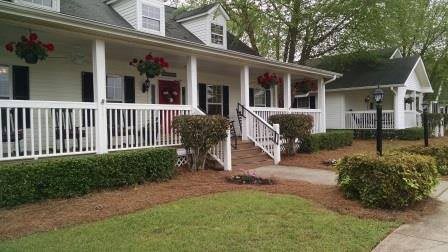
425 106
378 95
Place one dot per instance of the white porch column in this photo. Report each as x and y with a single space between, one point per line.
192 81
321 105
420 105
277 147
275 97
414 104
244 79
399 117
287 91
228 152
99 83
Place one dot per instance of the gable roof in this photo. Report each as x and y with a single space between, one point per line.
195 12
386 72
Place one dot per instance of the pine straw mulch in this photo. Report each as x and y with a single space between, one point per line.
316 160
56 214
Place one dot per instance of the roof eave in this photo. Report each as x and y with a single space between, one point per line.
95 28
363 87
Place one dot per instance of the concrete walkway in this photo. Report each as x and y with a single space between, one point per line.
429 234
315 176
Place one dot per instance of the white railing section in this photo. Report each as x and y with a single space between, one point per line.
265 113
134 126
367 119
410 119
261 132
32 129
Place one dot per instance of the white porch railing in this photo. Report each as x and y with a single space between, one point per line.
412 119
367 119
134 126
32 129
265 113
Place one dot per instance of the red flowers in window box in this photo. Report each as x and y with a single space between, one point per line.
30 48
150 66
268 80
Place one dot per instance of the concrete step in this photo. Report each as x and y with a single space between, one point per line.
252 159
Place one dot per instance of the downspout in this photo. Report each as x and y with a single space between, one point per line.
331 80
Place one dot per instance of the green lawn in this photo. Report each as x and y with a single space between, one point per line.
235 221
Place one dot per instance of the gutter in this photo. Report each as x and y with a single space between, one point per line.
95 28
331 80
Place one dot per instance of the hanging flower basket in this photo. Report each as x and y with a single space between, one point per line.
151 67
30 48
268 80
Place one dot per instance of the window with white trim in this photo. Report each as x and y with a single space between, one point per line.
114 88
45 4
5 82
214 100
150 17
217 34
260 97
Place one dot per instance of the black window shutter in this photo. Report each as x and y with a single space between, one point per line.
184 95
87 86
129 89
21 91
225 101
312 102
251 97
202 90
268 98
295 102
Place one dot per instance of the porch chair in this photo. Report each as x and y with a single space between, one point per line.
12 128
64 121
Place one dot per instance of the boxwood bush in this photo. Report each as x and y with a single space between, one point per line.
74 176
402 134
394 181
330 140
438 152
293 127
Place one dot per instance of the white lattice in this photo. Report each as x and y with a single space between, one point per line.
181 161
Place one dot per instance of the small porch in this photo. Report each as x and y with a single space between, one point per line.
86 98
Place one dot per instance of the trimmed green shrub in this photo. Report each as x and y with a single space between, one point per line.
395 180
293 127
200 133
438 152
74 176
402 134
327 141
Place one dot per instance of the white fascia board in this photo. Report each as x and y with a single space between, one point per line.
425 76
11 11
209 12
396 53
365 87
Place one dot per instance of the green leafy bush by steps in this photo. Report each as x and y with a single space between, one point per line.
438 152
402 134
74 176
394 181
200 133
326 141
293 127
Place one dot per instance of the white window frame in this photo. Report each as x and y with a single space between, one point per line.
55 5
141 17
215 103
309 102
9 82
216 34
256 90
122 88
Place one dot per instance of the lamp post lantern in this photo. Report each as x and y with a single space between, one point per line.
378 95
425 106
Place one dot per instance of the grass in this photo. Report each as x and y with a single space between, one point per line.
234 221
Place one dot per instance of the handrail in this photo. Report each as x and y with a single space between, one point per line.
266 124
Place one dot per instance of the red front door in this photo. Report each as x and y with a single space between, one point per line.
169 92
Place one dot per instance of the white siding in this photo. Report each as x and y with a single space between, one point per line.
200 27
413 83
335 111
128 10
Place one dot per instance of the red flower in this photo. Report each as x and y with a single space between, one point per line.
148 57
9 47
50 47
33 36
156 59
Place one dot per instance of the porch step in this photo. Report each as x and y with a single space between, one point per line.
248 156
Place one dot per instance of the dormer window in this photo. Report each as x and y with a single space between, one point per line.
217 34
150 17
45 4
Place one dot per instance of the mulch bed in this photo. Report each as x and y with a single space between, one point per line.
55 214
316 160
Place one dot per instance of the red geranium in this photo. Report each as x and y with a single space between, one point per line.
267 80
151 66
30 48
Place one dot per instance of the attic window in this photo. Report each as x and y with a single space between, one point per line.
217 34
150 17
45 4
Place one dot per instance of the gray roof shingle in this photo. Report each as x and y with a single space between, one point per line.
194 12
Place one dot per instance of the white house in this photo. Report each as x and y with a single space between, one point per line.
86 98
350 103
